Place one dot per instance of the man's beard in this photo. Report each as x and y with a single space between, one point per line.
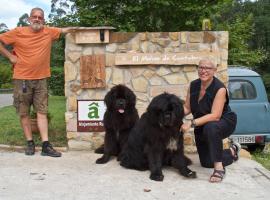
36 26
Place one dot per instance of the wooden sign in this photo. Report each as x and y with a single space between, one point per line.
191 58
92 69
92 36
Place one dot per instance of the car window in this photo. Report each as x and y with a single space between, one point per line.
241 89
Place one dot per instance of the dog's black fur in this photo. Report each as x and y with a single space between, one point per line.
119 118
148 146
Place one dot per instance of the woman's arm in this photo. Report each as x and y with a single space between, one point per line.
216 111
186 106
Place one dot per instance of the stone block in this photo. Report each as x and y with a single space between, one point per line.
87 50
117 76
74 56
162 71
183 37
137 71
99 50
176 78
192 76
108 73
86 136
72 135
209 37
70 71
174 36
71 125
110 59
156 80
148 73
76 145
72 103
195 37
111 48
140 84
174 89
68 116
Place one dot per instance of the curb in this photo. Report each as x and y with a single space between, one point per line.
21 148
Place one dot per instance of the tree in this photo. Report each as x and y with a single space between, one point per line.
3 27
233 17
23 20
142 15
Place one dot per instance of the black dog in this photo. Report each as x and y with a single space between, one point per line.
119 118
156 140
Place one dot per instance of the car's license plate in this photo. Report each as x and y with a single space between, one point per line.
244 139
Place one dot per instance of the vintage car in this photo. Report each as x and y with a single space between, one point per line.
248 99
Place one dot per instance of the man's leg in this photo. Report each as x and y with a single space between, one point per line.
22 100
40 102
26 126
43 126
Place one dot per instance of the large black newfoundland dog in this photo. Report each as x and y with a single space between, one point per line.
119 118
156 140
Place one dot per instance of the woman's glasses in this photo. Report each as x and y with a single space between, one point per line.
207 69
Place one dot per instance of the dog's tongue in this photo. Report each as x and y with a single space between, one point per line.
121 110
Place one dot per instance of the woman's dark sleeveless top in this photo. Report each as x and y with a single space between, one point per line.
204 106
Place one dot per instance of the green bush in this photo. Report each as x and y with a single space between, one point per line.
57 82
5 75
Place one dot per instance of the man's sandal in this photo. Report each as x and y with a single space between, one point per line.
220 174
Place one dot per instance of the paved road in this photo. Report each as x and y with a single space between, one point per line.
6 100
75 176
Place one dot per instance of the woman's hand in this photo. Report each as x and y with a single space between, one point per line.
185 127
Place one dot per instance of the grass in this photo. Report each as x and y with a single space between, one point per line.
263 158
11 132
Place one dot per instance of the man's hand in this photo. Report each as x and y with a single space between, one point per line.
68 30
13 59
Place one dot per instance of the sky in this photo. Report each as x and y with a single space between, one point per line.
12 10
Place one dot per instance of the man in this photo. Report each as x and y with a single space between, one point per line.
31 68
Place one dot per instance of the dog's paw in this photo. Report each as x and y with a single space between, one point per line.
188 173
100 150
192 174
157 177
102 160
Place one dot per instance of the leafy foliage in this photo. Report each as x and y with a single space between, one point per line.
232 18
142 15
56 82
23 20
5 75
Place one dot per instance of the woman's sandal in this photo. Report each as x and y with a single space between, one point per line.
236 148
220 174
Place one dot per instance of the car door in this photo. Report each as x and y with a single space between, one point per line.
248 99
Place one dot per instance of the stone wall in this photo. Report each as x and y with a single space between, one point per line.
146 81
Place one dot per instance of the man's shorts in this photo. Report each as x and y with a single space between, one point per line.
30 92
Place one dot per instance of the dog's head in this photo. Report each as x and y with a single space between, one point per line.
166 110
120 99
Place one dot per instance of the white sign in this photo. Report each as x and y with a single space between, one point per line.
90 115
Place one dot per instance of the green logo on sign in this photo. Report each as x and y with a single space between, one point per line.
93 110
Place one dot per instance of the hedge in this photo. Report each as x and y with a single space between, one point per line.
57 82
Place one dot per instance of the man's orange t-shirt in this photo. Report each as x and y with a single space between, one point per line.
33 50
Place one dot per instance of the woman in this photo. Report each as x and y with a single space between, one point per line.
207 99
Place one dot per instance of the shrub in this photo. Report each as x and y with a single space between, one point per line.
5 75
56 82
